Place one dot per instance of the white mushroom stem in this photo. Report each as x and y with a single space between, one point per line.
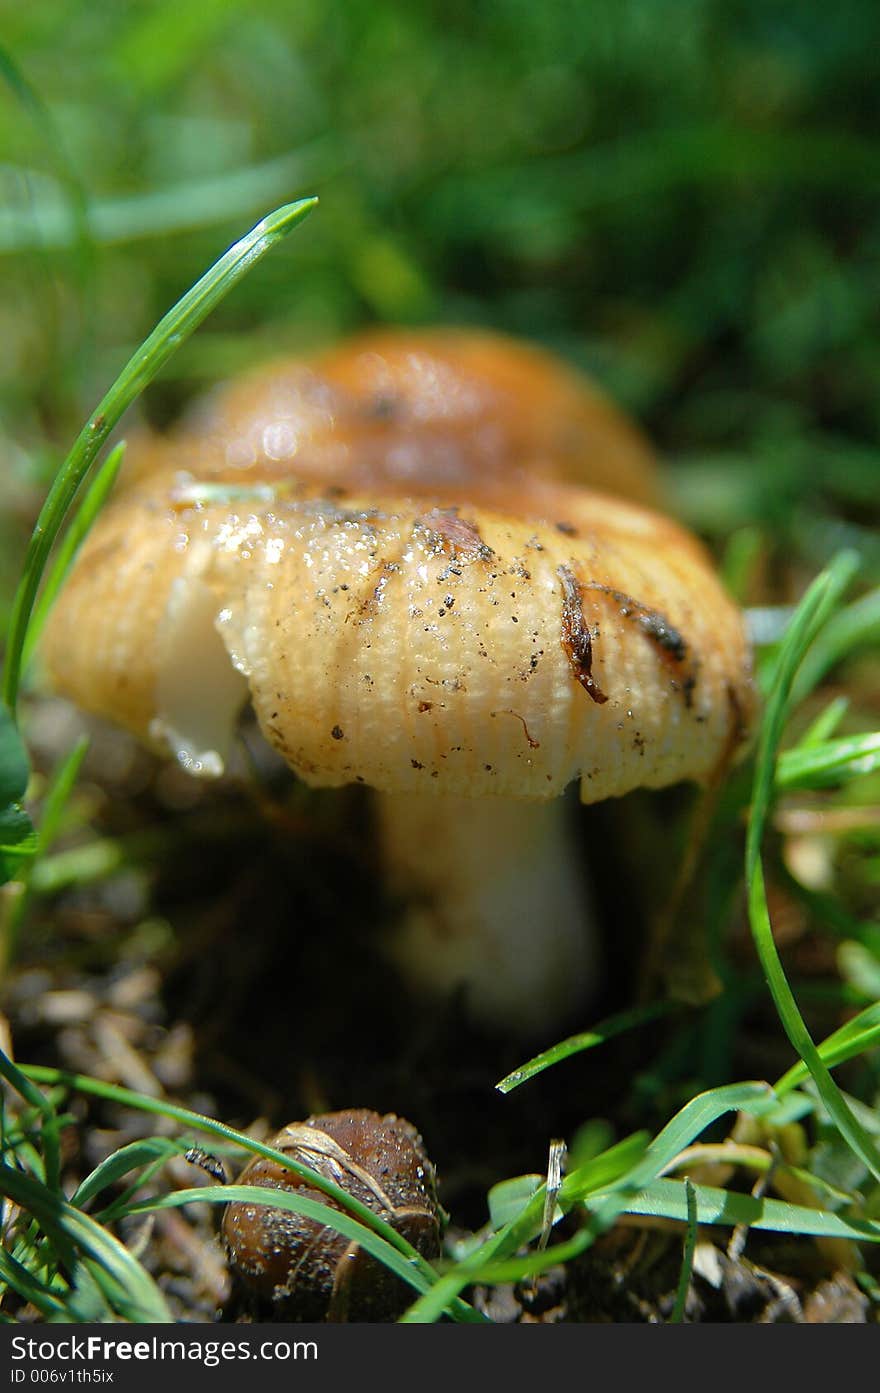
494 902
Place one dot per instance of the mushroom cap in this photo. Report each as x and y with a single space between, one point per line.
429 601
456 414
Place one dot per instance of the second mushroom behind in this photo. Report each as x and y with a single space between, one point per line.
408 554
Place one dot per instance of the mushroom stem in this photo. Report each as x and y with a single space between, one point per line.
495 902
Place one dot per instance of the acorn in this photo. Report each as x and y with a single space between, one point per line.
293 1268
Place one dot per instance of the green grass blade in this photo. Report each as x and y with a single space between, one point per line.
170 332
856 626
687 1262
693 1119
839 1110
762 1162
120 1207
826 722
667 1199
869 1118
523 1268
87 1303
97 859
49 1118
508 1199
586 1040
830 763
93 500
58 794
820 600
121 1162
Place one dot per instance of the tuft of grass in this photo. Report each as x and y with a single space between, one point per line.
813 613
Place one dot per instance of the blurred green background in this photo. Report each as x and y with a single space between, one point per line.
680 195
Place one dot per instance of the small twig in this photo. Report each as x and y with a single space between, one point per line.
739 1237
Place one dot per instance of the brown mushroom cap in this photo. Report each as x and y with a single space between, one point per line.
449 413
396 549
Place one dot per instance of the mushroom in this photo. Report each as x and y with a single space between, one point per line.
409 555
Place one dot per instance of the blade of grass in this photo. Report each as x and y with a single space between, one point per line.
833 762
58 794
95 860
50 1131
121 1162
86 1303
854 627
667 1199
687 1262
754 1158
170 332
869 1118
588 1039
820 600
826 723
672 1200
93 500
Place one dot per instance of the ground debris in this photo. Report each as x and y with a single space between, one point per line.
837 1301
